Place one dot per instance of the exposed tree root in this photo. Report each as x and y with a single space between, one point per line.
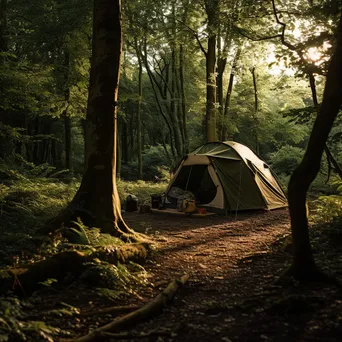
132 319
26 279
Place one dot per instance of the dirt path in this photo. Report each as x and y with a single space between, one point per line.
229 259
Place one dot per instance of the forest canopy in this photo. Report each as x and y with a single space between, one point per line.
188 67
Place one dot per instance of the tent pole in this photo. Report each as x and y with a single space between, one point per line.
187 182
238 200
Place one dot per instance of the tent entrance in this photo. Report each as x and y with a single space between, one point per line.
196 179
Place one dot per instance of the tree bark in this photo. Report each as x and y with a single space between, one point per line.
303 266
225 133
221 66
65 114
256 108
330 157
139 126
97 201
173 106
160 107
183 100
67 137
212 8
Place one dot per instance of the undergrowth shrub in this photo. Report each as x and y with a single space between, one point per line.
28 200
286 159
156 165
327 213
14 328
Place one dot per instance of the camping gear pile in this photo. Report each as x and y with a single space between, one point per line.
131 203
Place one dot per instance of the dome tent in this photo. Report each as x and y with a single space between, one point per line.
227 176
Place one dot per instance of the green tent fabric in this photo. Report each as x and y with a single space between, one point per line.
227 176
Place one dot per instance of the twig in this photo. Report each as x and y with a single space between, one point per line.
103 336
109 310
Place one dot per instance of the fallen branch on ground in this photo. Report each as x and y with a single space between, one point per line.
146 312
102 336
111 310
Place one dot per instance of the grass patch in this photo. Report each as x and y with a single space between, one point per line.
26 203
143 190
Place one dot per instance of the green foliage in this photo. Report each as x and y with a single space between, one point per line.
14 328
80 234
326 214
114 281
155 165
328 209
286 159
26 203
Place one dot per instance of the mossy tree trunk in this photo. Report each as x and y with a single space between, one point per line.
303 266
97 201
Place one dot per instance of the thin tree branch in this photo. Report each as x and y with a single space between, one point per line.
195 33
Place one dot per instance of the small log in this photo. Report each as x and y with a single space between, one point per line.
132 319
25 279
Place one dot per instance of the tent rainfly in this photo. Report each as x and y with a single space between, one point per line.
227 176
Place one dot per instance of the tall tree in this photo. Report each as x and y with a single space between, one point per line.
224 132
97 201
212 10
139 126
303 266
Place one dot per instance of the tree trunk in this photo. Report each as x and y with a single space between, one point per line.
139 126
221 66
330 157
97 201
256 108
183 100
173 106
67 137
124 139
303 266
65 114
118 155
180 110
212 8
153 84
225 133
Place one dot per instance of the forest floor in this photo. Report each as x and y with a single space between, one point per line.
232 295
